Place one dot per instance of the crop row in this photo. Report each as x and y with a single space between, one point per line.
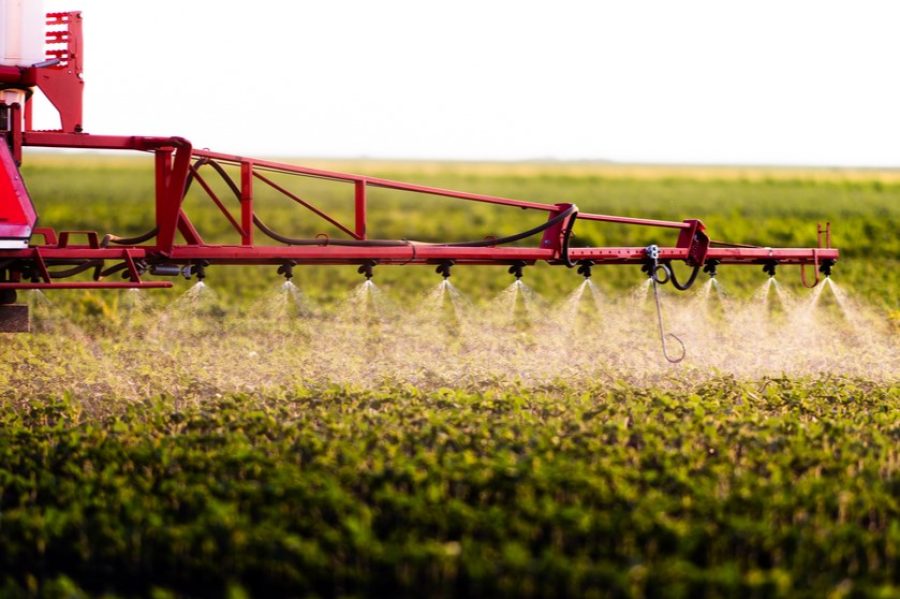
779 488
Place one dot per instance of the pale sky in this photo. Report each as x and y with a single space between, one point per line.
753 82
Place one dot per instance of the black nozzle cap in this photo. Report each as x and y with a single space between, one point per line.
366 269
287 270
198 269
584 268
710 267
769 268
516 270
825 267
443 269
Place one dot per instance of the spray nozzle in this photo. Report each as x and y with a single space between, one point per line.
198 269
366 269
516 270
825 267
769 268
584 268
287 269
710 267
443 269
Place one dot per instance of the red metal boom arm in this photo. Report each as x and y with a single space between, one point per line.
26 264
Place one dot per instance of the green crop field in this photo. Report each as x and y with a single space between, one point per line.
248 438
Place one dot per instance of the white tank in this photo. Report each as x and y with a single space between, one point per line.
22 24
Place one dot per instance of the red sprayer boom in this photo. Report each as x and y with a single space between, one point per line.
40 258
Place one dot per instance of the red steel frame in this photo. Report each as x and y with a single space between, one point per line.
176 162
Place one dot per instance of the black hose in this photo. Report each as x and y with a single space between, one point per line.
566 237
524 234
107 239
114 269
689 282
71 272
383 242
268 231
327 240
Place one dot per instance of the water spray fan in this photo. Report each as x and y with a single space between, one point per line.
44 52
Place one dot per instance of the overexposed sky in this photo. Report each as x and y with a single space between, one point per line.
772 82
